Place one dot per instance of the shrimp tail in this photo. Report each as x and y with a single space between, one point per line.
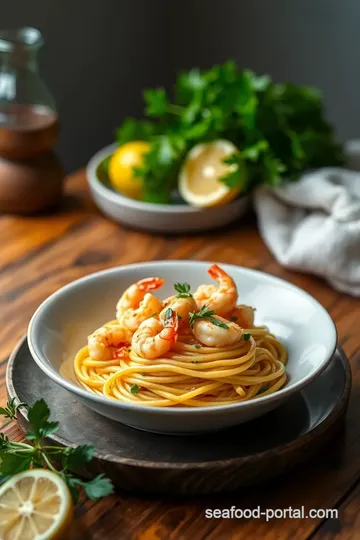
121 352
216 272
171 326
170 334
150 284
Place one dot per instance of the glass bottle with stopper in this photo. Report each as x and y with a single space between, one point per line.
31 176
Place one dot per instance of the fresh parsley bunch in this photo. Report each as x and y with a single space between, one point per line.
20 456
280 130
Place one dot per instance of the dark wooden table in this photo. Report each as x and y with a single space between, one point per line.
40 254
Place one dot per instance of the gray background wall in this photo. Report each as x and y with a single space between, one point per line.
101 54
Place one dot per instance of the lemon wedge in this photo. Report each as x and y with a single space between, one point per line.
199 183
35 504
121 165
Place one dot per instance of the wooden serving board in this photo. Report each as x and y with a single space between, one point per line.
187 465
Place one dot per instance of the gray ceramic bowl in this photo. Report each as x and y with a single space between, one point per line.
165 218
60 326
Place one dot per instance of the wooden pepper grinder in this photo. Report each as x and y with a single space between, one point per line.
31 176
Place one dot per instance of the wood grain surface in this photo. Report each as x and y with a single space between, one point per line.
40 254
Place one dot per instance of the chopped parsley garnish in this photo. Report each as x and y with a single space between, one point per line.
246 337
168 314
153 315
197 346
143 374
183 289
264 388
206 313
134 389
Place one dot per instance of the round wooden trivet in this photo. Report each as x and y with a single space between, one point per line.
149 463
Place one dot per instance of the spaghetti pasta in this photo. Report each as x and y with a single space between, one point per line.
190 374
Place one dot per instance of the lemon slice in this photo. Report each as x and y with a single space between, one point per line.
199 183
35 504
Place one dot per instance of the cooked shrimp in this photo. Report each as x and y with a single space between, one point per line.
167 301
153 338
109 342
132 318
243 316
221 299
203 293
182 307
137 304
212 335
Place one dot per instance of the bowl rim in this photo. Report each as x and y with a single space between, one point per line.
42 361
119 199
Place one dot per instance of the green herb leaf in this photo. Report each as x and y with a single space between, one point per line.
160 166
156 102
168 314
206 313
144 374
4 478
4 441
246 336
11 409
14 463
264 388
255 151
76 457
134 389
203 313
197 346
218 323
38 416
183 289
73 484
132 130
98 487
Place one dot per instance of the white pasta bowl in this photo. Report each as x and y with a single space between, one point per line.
165 218
60 326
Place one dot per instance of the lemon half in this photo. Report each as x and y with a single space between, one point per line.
35 504
199 183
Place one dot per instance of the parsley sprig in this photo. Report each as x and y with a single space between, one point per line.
167 316
280 130
263 389
206 313
183 290
11 409
20 456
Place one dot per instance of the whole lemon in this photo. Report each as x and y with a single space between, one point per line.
121 174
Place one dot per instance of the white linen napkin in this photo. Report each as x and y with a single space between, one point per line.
313 225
